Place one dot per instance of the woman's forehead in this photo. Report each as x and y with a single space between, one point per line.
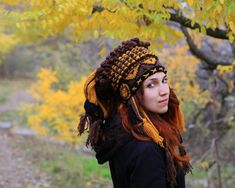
158 76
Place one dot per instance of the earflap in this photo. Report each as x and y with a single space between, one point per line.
148 126
90 93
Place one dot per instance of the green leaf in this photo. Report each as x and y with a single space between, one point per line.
203 30
231 37
193 23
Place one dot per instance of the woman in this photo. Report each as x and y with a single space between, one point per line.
134 119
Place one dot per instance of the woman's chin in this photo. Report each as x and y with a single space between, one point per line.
163 110
159 111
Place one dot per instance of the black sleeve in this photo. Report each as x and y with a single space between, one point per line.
149 168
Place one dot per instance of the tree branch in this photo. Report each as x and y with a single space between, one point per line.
233 48
174 17
186 22
212 61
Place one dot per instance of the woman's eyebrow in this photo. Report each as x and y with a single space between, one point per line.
157 78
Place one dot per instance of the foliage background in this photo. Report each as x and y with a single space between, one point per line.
55 44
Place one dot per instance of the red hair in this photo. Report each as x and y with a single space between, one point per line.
169 125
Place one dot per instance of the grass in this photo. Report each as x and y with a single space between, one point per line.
9 115
15 116
7 87
4 93
69 169
200 176
66 167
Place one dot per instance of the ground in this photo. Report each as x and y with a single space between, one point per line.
16 169
30 161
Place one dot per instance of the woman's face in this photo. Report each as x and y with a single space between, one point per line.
156 93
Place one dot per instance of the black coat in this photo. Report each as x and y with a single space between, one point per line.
133 163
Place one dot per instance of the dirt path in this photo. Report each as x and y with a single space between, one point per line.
16 169
15 100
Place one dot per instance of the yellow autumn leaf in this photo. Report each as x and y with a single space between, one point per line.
83 10
227 68
231 37
218 9
162 34
203 30
204 165
96 34
102 52
44 24
56 110
190 2
50 22
222 2
232 26
18 25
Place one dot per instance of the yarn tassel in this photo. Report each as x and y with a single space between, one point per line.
152 132
148 126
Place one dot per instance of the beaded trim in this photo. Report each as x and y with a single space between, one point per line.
126 91
143 77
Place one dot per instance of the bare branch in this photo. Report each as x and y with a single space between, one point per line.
233 48
212 61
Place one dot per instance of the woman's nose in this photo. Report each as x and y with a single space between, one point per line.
162 93
163 90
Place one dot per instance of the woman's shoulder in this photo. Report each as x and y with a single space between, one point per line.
140 158
137 152
140 147
129 143
125 145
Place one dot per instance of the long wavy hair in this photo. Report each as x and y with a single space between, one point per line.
169 125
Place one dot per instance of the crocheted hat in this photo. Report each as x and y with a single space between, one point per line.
124 70
127 67
132 68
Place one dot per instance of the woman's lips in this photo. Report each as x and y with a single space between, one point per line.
165 101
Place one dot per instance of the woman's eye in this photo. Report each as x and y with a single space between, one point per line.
164 80
150 85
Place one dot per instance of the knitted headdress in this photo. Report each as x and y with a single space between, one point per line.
120 76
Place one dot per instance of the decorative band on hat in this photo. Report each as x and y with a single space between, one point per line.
126 90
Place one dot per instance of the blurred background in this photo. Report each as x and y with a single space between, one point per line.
48 47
